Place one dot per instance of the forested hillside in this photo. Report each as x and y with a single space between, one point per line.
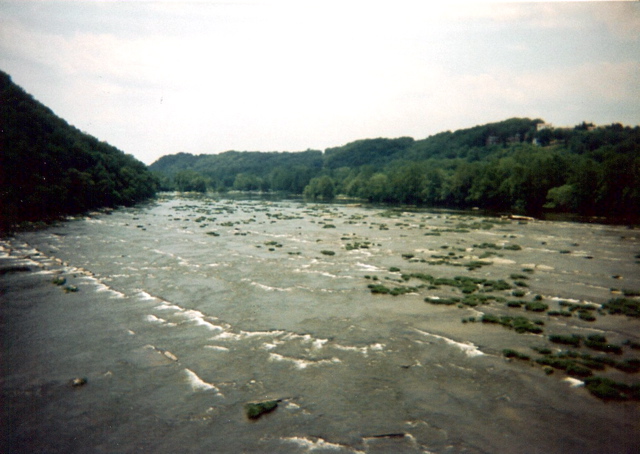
49 169
519 165
244 171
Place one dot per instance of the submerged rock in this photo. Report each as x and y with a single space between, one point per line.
77 382
59 280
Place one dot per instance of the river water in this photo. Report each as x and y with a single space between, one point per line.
186 309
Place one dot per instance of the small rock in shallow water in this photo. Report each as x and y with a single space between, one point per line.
170 355
76 382
59 280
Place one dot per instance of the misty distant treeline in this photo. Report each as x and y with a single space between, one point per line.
519 165
49 169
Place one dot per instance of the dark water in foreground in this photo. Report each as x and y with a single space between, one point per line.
188 309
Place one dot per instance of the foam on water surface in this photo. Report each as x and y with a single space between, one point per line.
198 384
319 444
466 347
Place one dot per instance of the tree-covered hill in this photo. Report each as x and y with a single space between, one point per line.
49 169
519 165
372 152
246 171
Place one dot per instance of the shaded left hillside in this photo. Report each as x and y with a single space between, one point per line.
49 169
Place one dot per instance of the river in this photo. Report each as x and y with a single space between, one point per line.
180 312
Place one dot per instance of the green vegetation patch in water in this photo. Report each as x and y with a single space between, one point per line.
442 301
257 409
357 245
536 306
572 339
559 313
608 389
508 247
623 306
599 342
379 289
518 324
508 353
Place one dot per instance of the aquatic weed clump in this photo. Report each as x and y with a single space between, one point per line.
599 342
403 290
509 353
608 389
257 409
580 364
560 313
508 247
442 301
630 293
630 366
495 286
566 361
421 276
357 245
482 225
536 306
476 264
623 306
542 350
518 324
572 339
477 299
513 247
380 289
586 315
632 344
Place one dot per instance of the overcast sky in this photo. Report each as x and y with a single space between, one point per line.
156 78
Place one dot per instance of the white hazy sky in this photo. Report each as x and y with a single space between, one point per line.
156 78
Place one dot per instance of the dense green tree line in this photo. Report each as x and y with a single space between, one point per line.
50 169
242 171
513 165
